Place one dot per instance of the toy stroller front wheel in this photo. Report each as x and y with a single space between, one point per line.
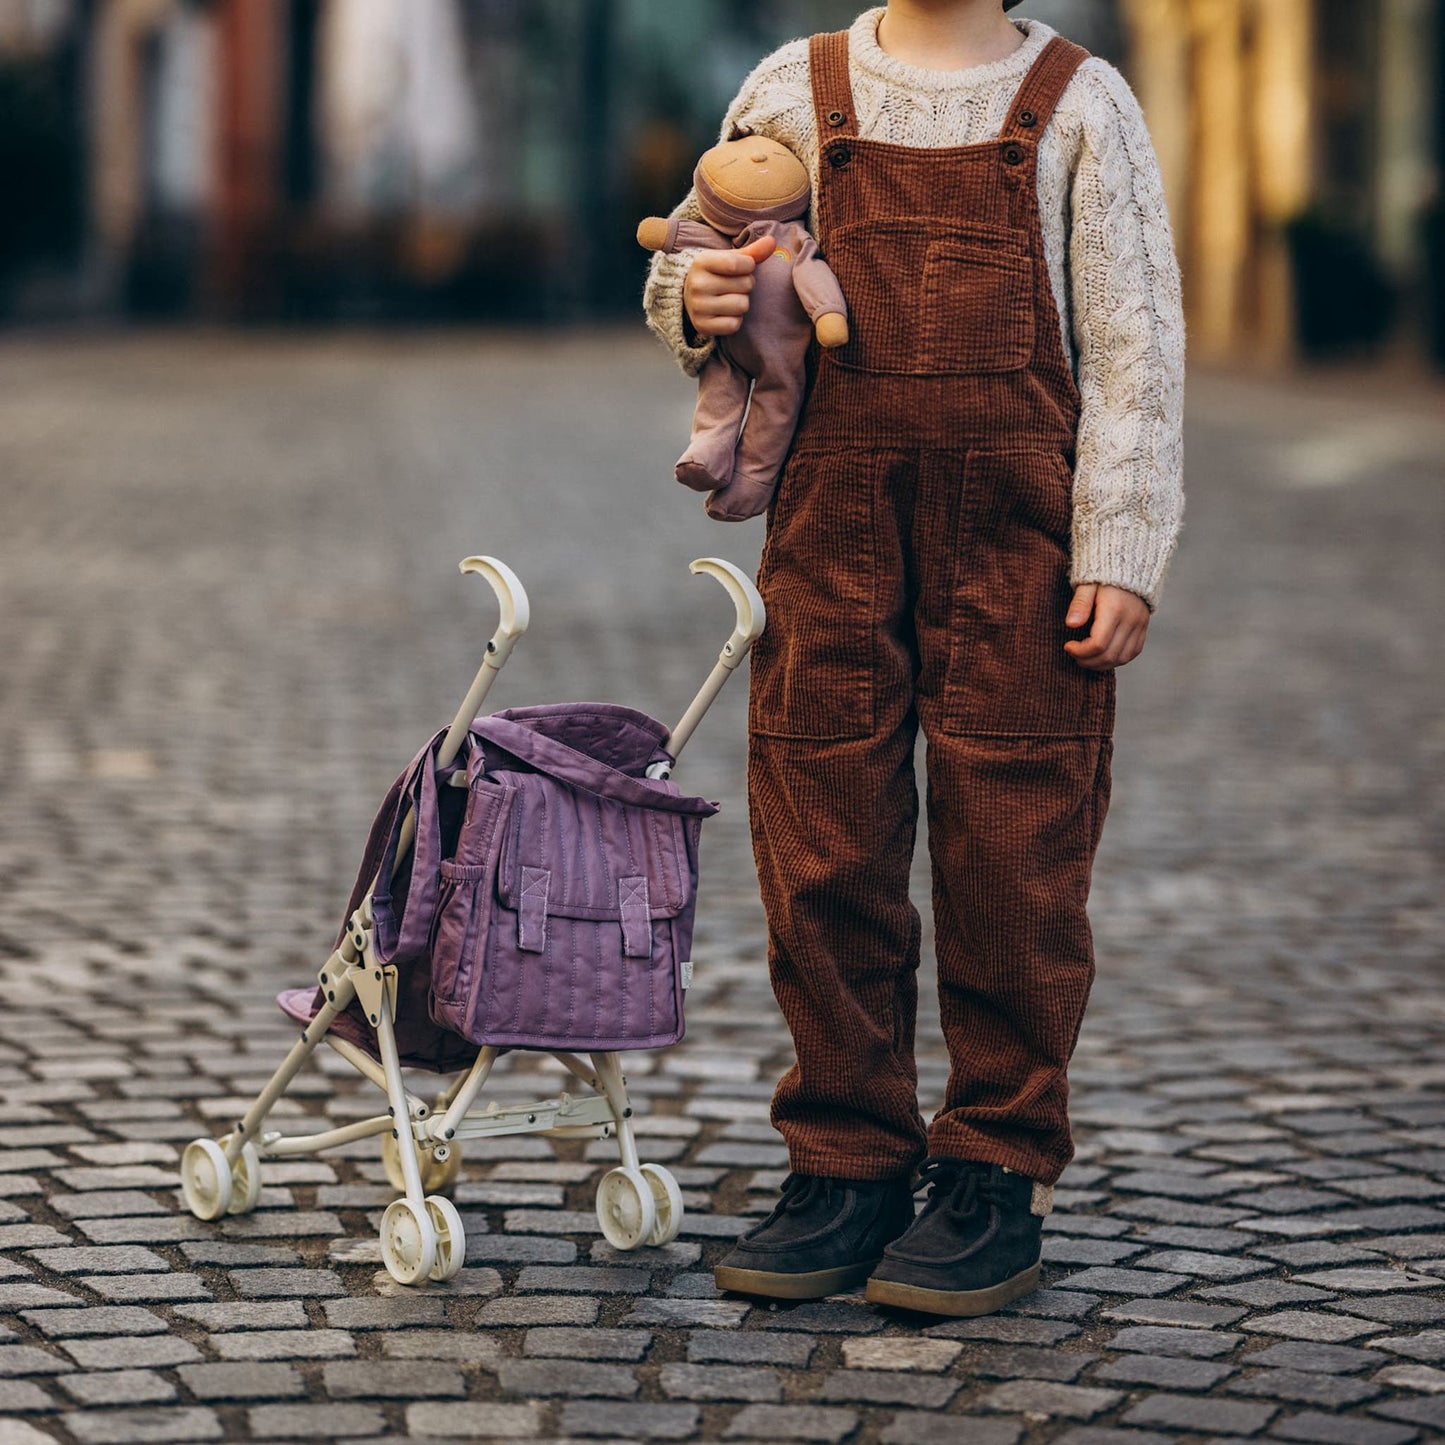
626 1208
206 1179
667 1198
408 1242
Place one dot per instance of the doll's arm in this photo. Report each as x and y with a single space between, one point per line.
820 293
677 234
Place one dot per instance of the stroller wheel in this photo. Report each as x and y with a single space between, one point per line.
451 1237
245 1179
626 1208
206 1179
668 1199
408 1242
438 1176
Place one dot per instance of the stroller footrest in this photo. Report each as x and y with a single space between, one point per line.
559 1113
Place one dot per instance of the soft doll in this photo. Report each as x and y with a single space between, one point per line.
749 189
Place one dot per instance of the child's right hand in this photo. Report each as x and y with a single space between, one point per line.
715 293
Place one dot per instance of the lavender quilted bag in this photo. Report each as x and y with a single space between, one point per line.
566 910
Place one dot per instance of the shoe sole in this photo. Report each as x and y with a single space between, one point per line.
953 1301
771 1285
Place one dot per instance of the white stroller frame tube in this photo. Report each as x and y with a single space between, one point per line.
752 618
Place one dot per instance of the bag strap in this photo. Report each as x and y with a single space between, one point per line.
588 774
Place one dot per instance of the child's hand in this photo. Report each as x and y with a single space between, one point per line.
715 293
1120 621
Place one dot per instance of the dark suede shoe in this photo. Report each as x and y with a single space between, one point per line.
824 1235
974 1247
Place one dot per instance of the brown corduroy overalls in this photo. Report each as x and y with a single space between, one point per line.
916 571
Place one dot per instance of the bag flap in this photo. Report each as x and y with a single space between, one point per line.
576 855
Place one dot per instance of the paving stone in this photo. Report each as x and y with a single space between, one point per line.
1192 1343
88 1259
1054 1304
468 1347
232 1255
1327 1359
284 1345
28 1360
566 1377
791 1422
1164 1371
746 1347
722 1314
473 1420
1201 1414
1028 1362
502 1249
1065 1249
887 1387
233 1315
119 1352
1201 1265
1413 1377
384 1314
1393 1309
22 1396
139 1427
632 1421
584 1279
915 1427
931 1356
1005 1329
147 1288
95 1320
390 1380
1105 1435
1297 1325
240 1381
286 1283
1427 1345
1136 1282
720 1382
1043 1397
1315 1252
1322 1429
119 1387
538 1310
827 1317
310 1422
1370 1281
1182 1312
1305 1387
1263 1293
587 1344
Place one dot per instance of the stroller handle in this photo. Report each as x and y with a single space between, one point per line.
516 613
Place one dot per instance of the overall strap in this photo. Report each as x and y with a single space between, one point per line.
1042 89
832 90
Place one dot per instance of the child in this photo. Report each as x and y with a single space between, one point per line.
969 536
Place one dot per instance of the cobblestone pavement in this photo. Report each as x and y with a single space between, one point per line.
229 611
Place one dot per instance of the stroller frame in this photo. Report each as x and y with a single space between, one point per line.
422 1235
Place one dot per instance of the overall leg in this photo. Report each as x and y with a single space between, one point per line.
834 810
722 399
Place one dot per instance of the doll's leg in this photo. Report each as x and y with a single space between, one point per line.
763 448
722 398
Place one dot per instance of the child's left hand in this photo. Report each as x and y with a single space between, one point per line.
1120 621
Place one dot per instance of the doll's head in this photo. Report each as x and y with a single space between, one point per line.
752 179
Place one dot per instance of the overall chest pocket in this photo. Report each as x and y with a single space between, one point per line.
929 297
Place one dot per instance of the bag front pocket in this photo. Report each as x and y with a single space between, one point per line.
459 926
928 296
978 308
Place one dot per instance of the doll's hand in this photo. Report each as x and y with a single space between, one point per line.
1120 620
716 291
831 329
652 233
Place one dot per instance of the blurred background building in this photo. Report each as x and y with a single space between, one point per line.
322 160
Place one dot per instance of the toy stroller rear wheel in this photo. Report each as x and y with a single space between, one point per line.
667 1198
408 1242
451 1237
245 1178
626 1208
438 1176
206 1179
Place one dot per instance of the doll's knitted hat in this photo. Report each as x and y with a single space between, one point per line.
730 215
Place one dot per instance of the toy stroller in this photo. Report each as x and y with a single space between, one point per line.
529 883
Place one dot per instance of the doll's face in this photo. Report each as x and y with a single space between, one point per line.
755 171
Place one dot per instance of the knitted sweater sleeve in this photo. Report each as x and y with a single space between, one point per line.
769 95
1128 327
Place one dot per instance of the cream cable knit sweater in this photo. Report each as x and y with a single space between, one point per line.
1109 251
